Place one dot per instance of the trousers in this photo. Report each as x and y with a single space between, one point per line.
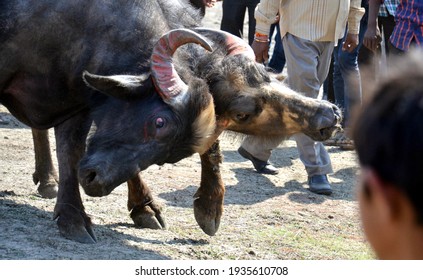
308 65
233 17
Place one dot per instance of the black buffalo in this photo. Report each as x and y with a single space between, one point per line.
126 71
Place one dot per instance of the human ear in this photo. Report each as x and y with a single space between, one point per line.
387 198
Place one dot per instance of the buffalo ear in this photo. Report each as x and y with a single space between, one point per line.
119 86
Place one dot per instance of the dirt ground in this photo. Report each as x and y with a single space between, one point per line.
266 217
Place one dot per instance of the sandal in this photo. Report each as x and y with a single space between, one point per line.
345 143
333 141
340 140
347 146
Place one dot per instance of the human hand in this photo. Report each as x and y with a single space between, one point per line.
209 3
350 43
261 50
372 38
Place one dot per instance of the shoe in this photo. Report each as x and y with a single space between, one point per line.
319 184
263 167
341 140
3 121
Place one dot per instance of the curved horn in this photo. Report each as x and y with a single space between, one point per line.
234 44
166 79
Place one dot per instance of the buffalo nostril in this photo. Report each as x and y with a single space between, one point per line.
90 177
337 112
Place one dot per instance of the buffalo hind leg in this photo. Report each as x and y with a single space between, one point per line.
208 200
45 174
72 220
145 212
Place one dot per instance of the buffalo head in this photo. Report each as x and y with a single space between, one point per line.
250 101
144 124
271 109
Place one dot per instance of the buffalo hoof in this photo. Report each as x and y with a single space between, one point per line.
47 188
208 218
75 225
148 216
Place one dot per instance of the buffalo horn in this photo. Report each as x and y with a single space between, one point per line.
167 81
234 44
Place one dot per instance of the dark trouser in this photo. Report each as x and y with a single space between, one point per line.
234 14
307 67
387 24
346 75
198 4
368 57
277 59
394 51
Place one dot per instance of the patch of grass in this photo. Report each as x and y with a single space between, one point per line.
302 242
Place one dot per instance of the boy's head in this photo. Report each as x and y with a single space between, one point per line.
388 135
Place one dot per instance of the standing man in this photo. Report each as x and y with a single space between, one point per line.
381 17
408 30
309 30
347 83
234 14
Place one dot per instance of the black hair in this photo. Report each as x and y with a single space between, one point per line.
388 132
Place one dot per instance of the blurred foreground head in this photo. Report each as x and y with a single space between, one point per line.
388 135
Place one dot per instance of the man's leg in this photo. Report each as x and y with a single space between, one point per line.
233 17
258 151
308 65
277 60
251 6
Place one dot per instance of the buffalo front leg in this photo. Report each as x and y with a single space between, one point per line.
45 174
72 220
145 212
208 200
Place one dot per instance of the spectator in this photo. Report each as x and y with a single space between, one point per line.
347 83
381 20
408 28
309 31
234 14
381 17
388 135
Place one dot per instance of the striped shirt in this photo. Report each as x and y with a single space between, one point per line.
388 7
408 24
314 20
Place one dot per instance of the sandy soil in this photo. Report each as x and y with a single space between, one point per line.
266 217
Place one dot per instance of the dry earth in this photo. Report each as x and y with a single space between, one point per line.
266 217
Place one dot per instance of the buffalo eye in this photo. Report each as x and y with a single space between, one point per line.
159 123
242 117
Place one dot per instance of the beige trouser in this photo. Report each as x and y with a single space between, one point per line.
308 66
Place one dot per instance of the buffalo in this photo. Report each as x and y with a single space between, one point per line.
129 83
